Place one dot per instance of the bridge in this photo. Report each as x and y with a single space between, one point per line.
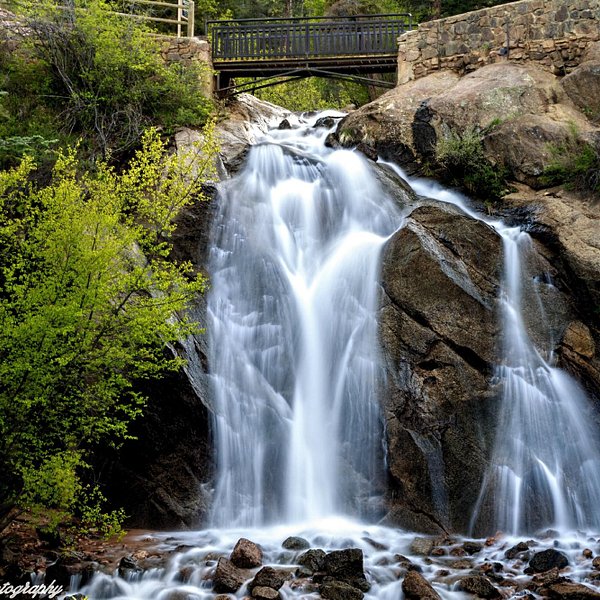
337 47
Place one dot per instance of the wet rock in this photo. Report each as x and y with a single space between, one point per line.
312 561
480 586
285 124
347 565
407 564
339 590
421 546
596 563
587 553
548 559
515 550
326 122
439 368
569 590
295 543
367 150
246 554
464 563
416 587
127 566
228 577
270 577
472 547
265 593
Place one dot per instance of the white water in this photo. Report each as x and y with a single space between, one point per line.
545 467
293 334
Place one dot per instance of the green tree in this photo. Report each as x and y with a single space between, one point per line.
103 75
89 298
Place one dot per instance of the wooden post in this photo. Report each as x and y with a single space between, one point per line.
191 18
179 17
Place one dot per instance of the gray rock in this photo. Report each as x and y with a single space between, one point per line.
479 586
295 543
312 561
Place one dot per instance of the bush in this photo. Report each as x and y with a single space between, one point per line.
575 164
89 298
104 76
465 165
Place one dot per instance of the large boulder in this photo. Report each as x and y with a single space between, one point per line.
582 85
521 111
439 330
396 125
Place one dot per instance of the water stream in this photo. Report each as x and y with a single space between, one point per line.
295 369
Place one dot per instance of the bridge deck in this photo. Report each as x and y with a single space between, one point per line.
304 46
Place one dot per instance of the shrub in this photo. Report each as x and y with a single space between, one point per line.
465 165
574 163
89 298
105 77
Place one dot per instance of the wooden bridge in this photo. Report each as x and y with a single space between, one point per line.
341 47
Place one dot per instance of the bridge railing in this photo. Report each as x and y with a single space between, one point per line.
179 13
256 39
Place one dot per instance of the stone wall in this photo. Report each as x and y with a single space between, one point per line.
553 33
188 51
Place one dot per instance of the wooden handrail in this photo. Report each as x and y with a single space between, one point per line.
185 13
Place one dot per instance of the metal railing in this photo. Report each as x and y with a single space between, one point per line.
257 39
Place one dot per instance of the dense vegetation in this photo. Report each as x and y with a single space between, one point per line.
89 295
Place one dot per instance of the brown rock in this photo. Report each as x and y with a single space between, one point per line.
440 265
246 554
479 586
265 593
228 577
416 587
578 338
270 577
582 86
568 590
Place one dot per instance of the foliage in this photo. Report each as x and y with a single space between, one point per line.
464 164
574 163
89 298
104 77
314 94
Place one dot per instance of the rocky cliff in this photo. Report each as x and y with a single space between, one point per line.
441 273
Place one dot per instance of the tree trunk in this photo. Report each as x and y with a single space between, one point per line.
437 9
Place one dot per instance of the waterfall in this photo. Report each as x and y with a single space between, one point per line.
545 465
293 332
546 461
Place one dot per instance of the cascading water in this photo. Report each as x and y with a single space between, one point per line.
546 461
293 333
545 467
295 369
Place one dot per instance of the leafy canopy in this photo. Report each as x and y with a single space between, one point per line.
89 298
